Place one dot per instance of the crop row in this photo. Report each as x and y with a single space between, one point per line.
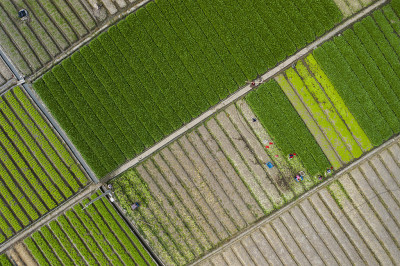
338 103
367 57
285 126
167 63
4 261
97 235
35 177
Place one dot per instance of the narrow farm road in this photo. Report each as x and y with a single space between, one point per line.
244 90
50 118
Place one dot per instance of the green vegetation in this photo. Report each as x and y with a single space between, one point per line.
307 89
167 63
285 126
4 261
96 235
38 173
338 103
364 67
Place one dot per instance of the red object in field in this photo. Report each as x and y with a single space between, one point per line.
276 155
271 143
253 83
294 154
331 167
267 147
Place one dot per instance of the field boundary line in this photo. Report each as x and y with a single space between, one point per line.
306 195
48 116
60 132
244 90
75 199
70 50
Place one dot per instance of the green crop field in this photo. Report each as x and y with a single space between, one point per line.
37 171
167 63
348 95
4 261
324 112
364 67
94 236
284 124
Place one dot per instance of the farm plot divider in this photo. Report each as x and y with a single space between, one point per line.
38 172
96 235
167 63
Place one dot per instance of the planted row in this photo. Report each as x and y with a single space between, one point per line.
96 235
36 176
167 63
364 67
285 126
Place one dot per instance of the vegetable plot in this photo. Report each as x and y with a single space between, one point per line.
364 67
166 64
324 112
94 236
285 126
209 185
37 171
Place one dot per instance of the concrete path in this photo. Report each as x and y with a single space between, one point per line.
243 91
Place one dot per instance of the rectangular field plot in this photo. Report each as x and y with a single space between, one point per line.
37 171
364 67
167 63
209 185
323 111
353 220
283 123
51 28
94 236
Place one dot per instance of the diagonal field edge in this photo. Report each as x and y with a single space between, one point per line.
324 184
43 220
244 90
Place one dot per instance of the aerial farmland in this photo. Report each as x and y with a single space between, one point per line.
199 132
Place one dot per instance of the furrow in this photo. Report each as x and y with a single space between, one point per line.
212 189
230 172
218 173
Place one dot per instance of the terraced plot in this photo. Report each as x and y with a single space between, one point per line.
51 29
167 63
364 67
37 171
354 220
209 185
324 112
94 236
